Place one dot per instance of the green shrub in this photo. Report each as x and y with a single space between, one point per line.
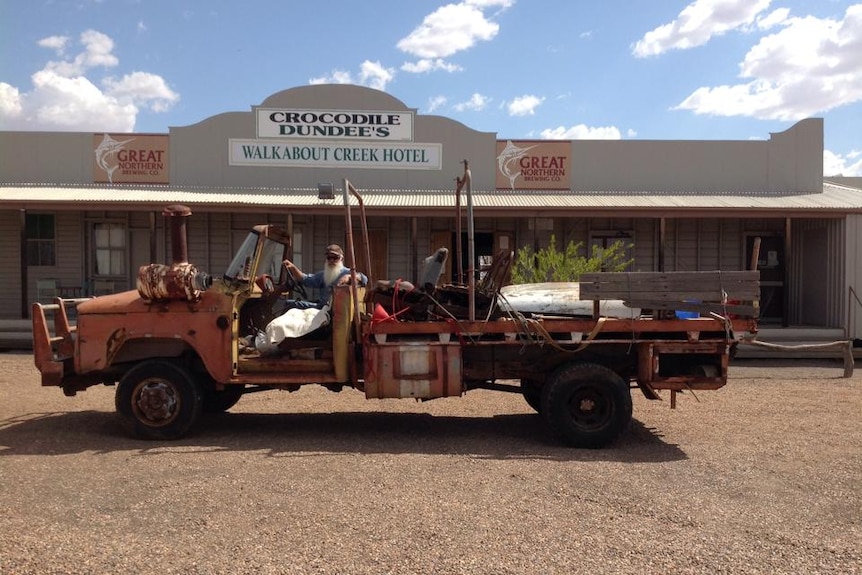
550 265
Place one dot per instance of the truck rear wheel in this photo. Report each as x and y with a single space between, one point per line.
586 405
158 400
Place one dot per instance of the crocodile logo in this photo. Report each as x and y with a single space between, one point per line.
508 160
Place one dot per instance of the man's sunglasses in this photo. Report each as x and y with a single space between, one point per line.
333 257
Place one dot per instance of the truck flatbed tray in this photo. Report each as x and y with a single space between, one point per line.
559 325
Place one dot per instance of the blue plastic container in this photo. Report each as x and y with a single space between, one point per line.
686 314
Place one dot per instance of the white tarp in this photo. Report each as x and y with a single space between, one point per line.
294 323
561 298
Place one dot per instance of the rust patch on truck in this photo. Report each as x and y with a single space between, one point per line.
113 344
178 281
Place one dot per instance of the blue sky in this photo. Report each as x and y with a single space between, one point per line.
558 69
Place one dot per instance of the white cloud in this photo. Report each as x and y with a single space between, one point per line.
697 23
524 105
375 75
64 98
11 105
773 19
502 4
582 132
476 103
74 104
810 66
849 165
448 30
436 103
142 88
429 65
335 77
371 74
56 43
98 52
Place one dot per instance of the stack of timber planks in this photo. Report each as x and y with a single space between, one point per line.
722 292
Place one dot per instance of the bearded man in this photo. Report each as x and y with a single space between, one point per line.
334 273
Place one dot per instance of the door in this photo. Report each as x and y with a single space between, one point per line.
815 287
771 265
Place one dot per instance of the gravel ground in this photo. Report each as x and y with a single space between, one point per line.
762 476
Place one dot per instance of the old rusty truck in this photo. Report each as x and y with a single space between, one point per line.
176 347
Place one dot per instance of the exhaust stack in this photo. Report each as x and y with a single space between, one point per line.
180 280
178 214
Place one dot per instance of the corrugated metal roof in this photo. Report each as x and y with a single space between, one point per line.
837 198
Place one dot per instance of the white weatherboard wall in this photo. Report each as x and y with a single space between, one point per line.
854 275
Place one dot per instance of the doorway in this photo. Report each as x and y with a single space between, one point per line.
771 265
483 248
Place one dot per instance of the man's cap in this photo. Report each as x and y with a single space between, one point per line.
334 249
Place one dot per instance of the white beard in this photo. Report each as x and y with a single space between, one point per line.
331 272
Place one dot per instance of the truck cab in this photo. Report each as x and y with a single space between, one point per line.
175 346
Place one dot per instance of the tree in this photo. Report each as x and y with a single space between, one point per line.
550 265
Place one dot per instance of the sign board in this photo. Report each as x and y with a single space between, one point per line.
533 165
306 154
131 159
369 125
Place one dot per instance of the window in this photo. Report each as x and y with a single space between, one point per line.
109 241
41 240
296 242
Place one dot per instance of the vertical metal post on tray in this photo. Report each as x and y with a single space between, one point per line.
471 244
456 245
348 225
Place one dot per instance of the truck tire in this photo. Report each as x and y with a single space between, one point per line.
158 400
531 389
586 405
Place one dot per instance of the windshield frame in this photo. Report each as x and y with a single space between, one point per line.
262 252
239 268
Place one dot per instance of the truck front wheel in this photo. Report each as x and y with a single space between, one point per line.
158 400
586 405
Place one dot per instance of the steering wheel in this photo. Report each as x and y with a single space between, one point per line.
292 285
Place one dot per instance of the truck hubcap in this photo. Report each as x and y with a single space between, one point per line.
155 402
589 409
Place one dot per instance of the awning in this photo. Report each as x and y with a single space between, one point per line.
834 200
